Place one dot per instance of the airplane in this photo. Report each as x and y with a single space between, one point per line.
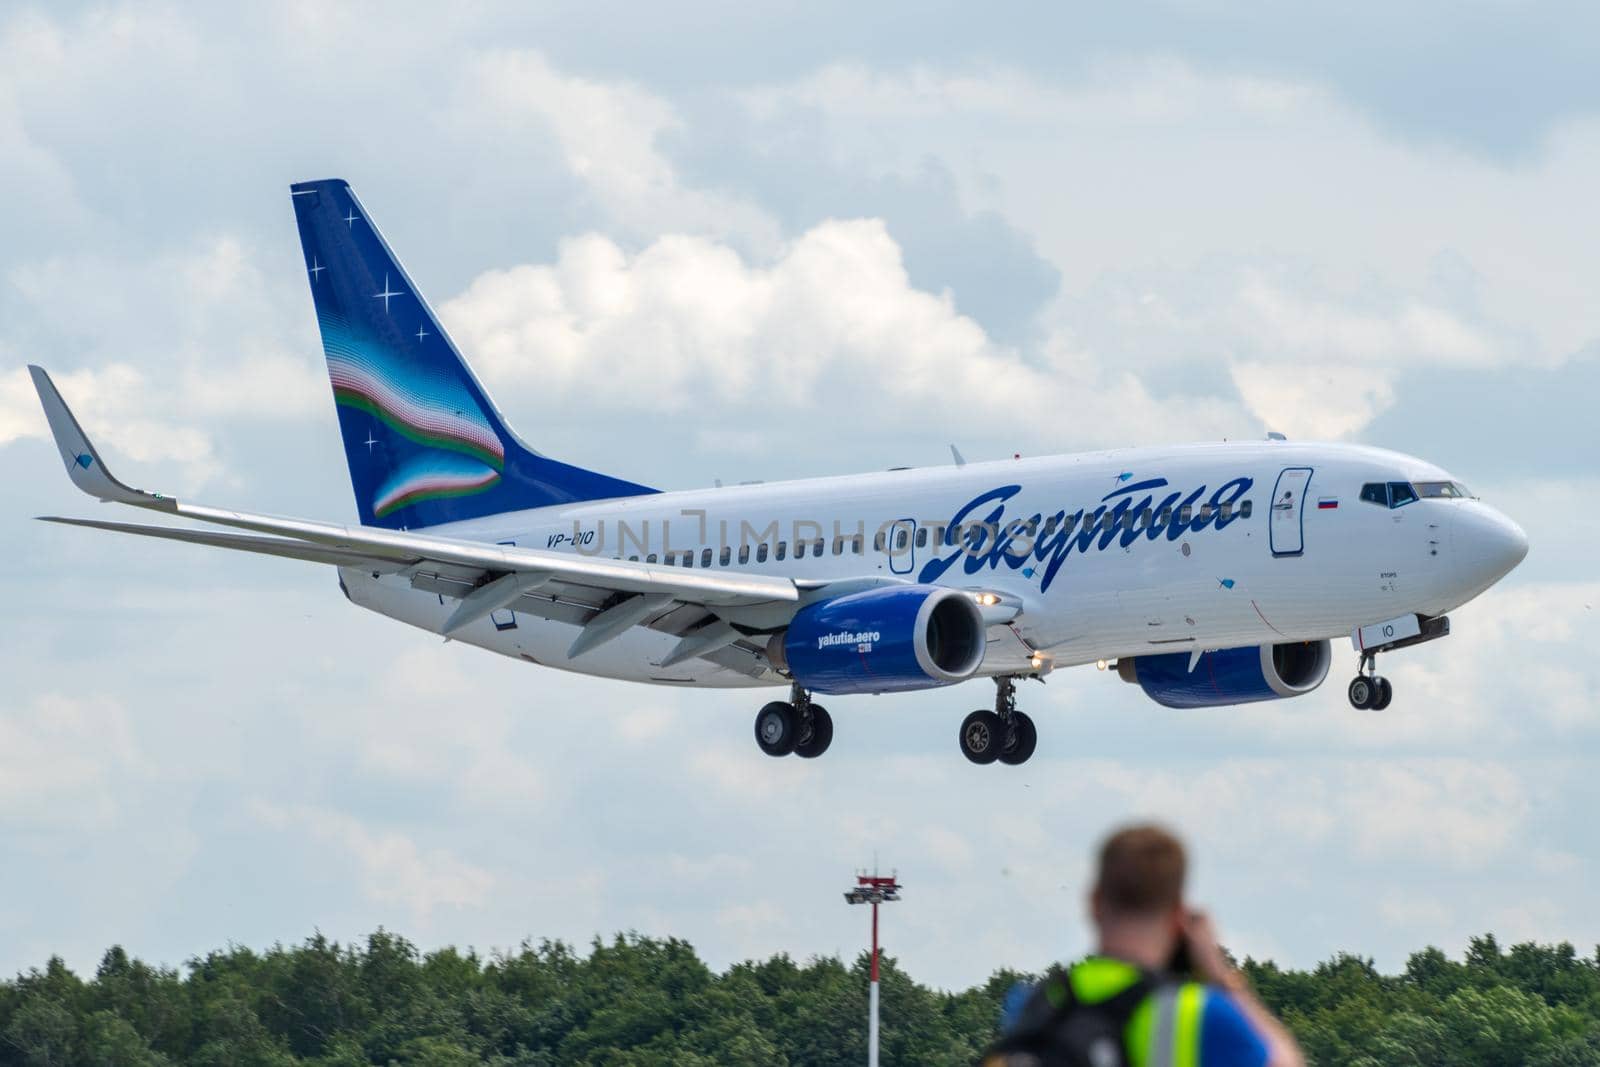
1208 574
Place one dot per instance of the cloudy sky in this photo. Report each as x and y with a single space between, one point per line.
730 243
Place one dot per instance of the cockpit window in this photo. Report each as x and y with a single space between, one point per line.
1445 490
1399 494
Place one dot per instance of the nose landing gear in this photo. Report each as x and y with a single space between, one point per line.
1369 690
796 726
1004 734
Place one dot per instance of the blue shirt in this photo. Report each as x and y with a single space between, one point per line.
1206 1026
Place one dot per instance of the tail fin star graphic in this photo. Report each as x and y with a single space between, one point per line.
424 443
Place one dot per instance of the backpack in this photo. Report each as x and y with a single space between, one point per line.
1055 1030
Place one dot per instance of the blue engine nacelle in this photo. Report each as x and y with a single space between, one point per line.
883 640
1230 675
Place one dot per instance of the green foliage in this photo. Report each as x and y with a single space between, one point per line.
642 1002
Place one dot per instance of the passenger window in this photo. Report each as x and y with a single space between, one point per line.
1225 512
783 550
1245 509
744 553
857 543
633 559
1050 525
922 537
672 559
1186 514
1375 493
727 555
705 557
1128 518
1206 512
1032 528
1401 493
1165 517
902 537
838 546
816 547
877 542
799 550
651 558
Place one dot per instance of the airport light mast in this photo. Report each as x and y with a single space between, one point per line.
873 889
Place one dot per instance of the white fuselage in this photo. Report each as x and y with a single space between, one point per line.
1296 555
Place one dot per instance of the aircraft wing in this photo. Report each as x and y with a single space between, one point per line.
269 546
606 597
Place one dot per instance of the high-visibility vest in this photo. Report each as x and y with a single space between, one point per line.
1162 1029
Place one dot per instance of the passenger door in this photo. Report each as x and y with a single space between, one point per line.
1286 527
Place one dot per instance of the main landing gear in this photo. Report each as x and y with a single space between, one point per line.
1369 690
1004 734
797 726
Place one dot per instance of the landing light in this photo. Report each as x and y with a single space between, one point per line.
987 600
1100 665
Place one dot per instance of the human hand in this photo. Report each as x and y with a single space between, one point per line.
1206 957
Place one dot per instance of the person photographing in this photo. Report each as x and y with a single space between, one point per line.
1158 990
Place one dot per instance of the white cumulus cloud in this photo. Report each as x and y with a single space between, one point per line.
833 322
609 134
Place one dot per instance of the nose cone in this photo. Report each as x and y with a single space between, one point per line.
1487 545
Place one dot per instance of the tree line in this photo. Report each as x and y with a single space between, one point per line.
637 1001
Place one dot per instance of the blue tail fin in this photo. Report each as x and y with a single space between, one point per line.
424 442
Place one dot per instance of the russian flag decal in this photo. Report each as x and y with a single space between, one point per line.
1327 503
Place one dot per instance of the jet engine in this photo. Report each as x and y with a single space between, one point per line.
1230 675
883 640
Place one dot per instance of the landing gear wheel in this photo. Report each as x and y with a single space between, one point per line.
983 735
815 738
1362 692
1021 740
1384 695
777 728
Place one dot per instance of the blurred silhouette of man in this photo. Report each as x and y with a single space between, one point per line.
1158 990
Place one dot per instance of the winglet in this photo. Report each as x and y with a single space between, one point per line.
84 466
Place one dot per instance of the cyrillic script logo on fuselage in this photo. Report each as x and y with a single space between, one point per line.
977 538
862 639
